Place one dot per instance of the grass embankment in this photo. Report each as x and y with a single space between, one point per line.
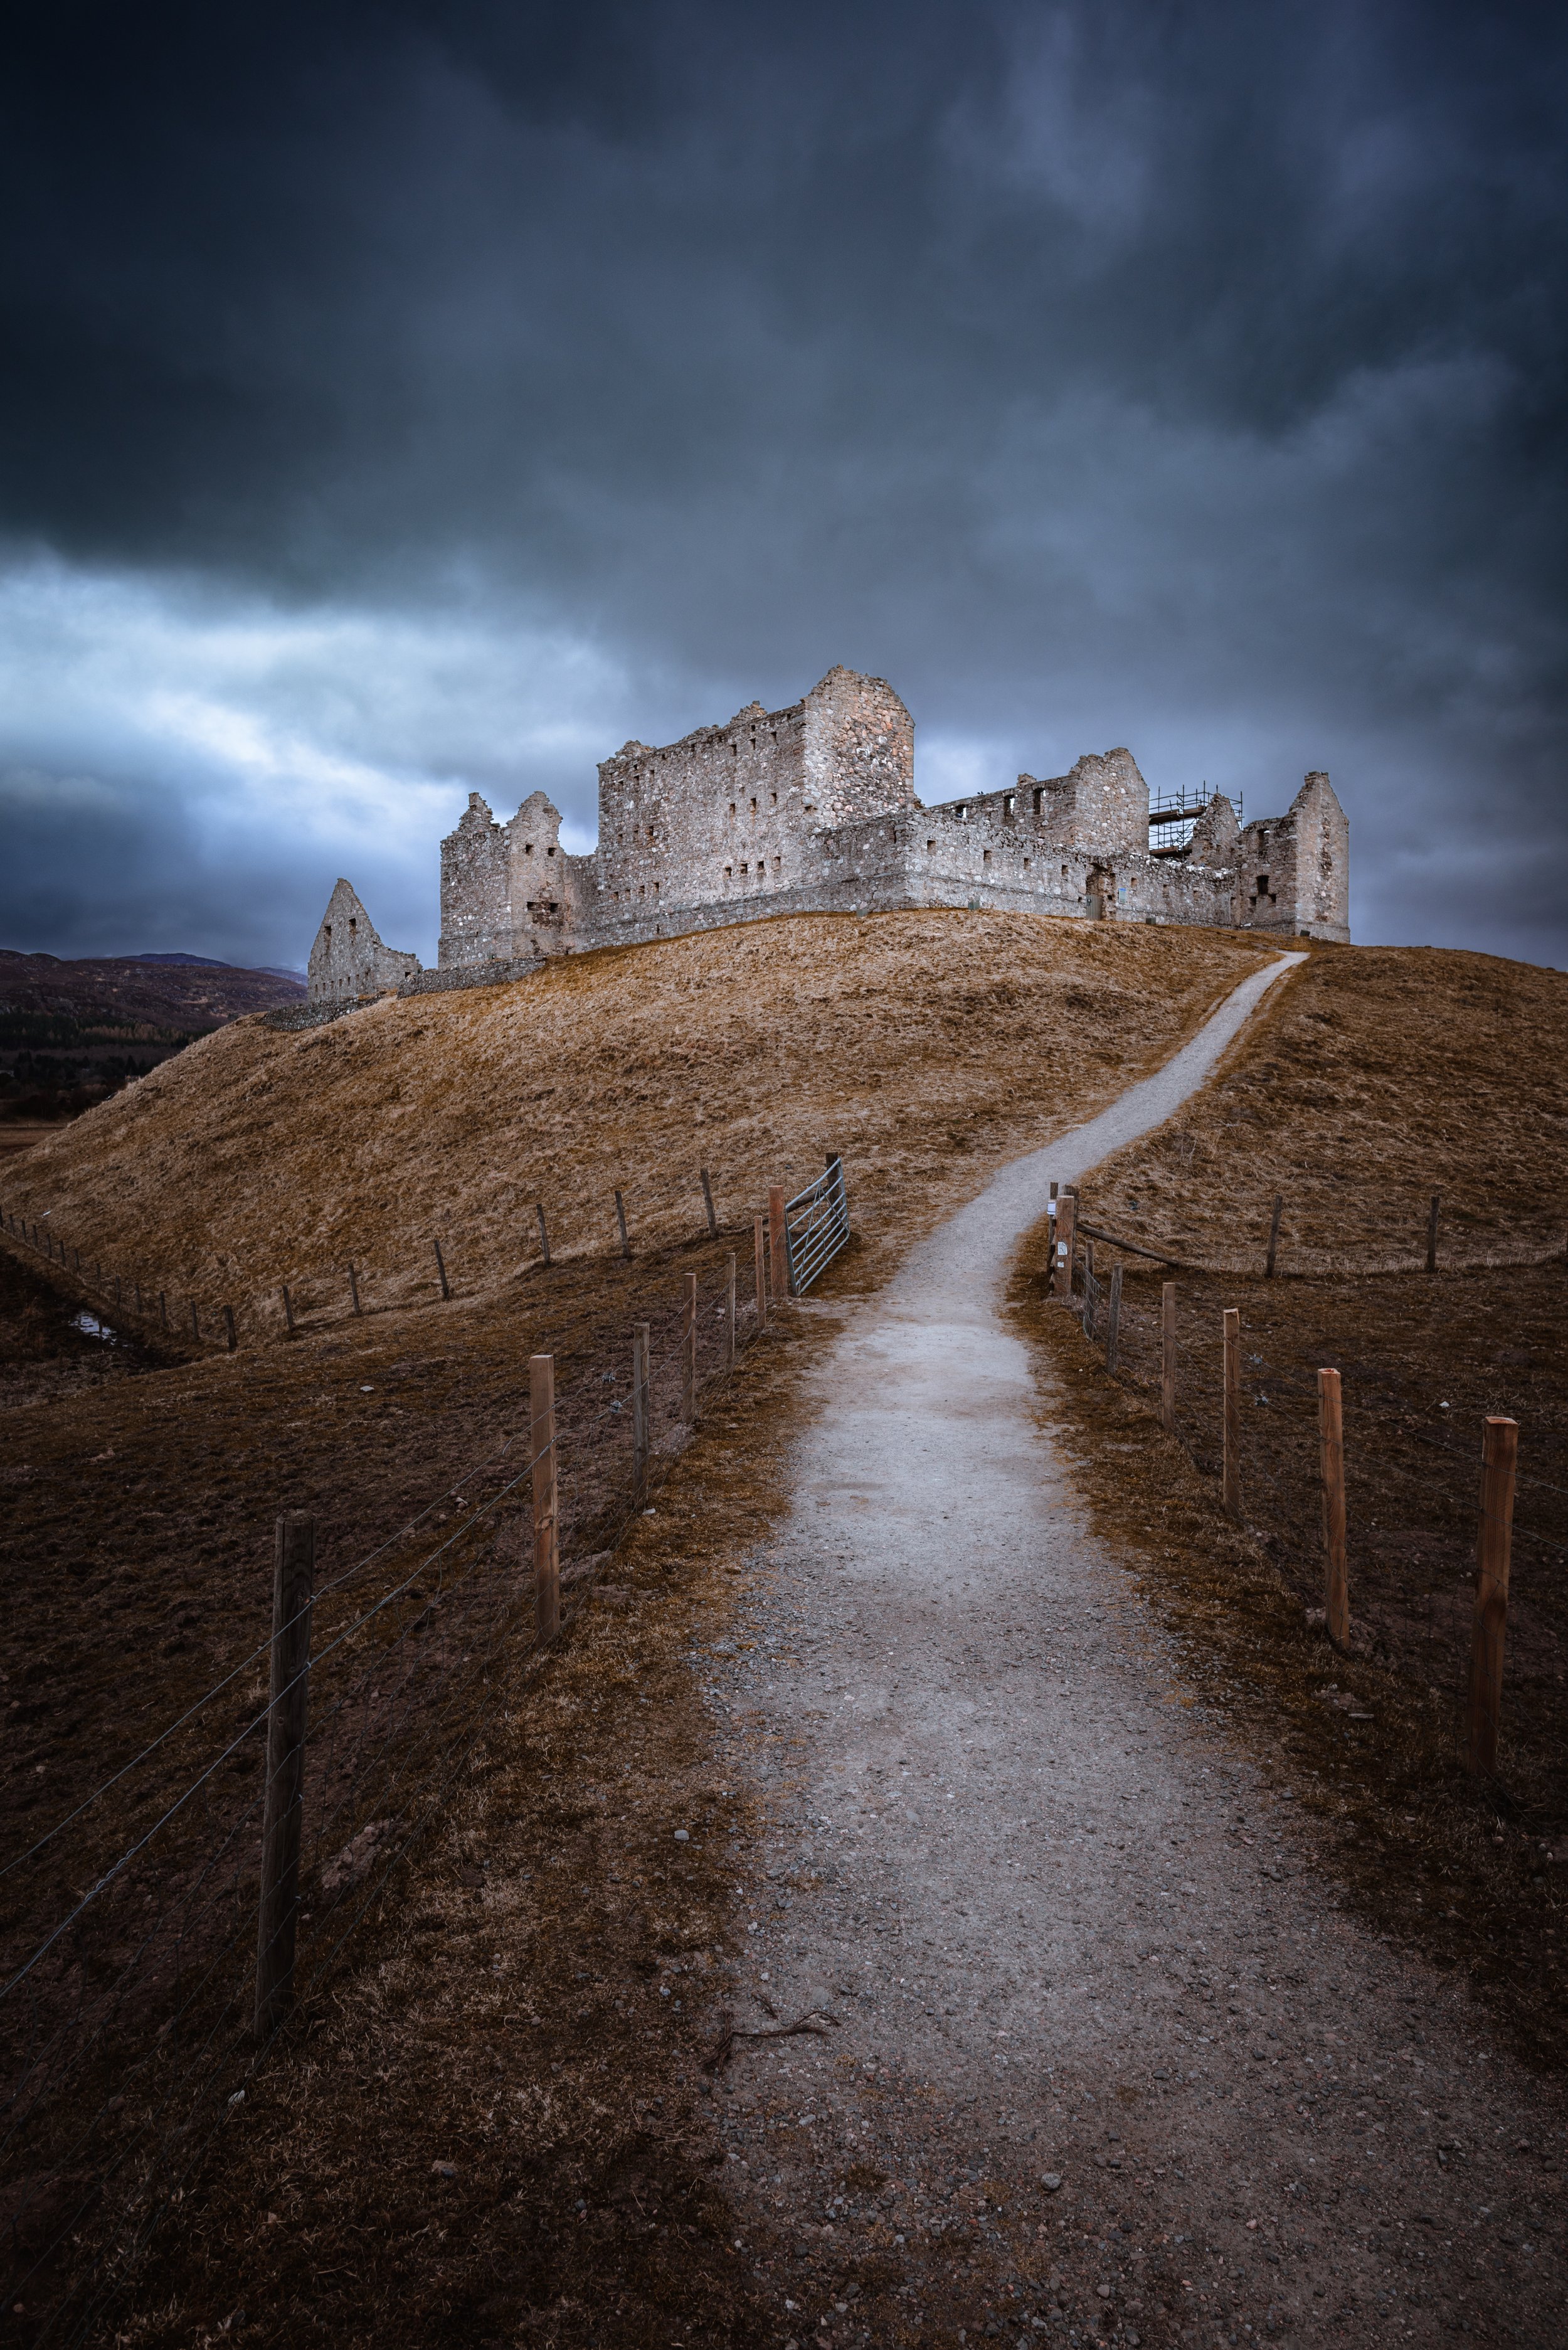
1375 1077
136 1553
915 1043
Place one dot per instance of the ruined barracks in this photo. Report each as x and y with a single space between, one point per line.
812 809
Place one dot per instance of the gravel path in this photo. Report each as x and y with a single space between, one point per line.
1098 2056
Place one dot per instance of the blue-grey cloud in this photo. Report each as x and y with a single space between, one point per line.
402 398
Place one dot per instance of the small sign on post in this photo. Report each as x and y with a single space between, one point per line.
1499 1454
293 1583
1330 1454
1167 1356
1062 1271
546 1513
1230 1487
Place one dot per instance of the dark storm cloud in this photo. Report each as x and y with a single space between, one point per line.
1188 377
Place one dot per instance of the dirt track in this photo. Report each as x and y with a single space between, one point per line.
1100 2051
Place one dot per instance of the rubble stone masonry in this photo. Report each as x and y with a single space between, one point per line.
813 809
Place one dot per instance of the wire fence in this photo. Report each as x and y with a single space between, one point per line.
1256 1427
451 1260
131 1958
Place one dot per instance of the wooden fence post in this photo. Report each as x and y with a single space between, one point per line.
546 1512
1231 1489
294 1579
1274 1237
1061 1272
1500 1452
1432 1231
440 1270
639 1414
1113 1325
544 1234
778 1246
730 1310
1167 1356
621 1219
1331 1453
163 1309
354 1289
759 1250
195 1325
288 1309
689 1351
708 1204
230 1335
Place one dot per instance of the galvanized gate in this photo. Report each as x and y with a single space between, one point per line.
817 1226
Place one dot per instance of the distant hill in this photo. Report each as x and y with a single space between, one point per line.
69 1032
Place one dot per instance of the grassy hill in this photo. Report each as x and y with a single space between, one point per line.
924 1047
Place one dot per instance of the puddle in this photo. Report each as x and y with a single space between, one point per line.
91 1327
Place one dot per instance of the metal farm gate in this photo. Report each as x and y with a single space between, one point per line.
817 1226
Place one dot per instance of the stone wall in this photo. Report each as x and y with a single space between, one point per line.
1293 872
348 960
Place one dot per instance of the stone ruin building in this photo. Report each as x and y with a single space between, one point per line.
813 809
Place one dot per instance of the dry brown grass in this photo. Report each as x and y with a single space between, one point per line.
1370 1078
1373 1078
927 1047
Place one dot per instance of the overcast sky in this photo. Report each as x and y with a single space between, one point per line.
399 400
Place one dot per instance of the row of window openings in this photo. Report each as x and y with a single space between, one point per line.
734 749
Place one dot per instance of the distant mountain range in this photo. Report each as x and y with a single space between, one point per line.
65 1026
206 963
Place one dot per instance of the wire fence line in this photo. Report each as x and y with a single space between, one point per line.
139 1930
614 1223
1259 1426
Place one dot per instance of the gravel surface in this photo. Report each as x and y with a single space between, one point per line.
1088 2048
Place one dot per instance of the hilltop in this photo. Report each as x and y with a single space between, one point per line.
924 1047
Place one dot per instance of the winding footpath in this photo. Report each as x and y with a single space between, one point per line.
1099 2057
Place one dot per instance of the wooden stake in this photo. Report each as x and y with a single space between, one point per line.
621 1219
730 1310
288 1309
778 1245
689 1351
231 1337
294 1579
1500 1453
1061 1273
354 1290
640 1414
544 1234
1167 1356
1231 1493
546 1513
759 1247
708 1203
440 1270
1432 1233
1274 1237
1113 1326
1330 1454
163 1309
